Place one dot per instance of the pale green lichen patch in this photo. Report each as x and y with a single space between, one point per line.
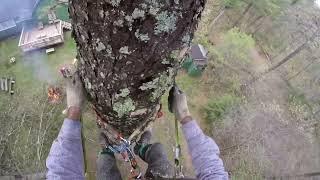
137 13
87 83
102 75
129 20
153 10
115 3
144 6
175 54
118 23
124 107
154 6
124 50
124 92
101 13
108 51
159 84
139 112
165 22
100 46
186 40
165 61
141 36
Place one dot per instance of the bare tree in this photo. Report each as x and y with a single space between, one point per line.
28 127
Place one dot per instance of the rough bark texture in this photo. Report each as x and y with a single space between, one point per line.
127 53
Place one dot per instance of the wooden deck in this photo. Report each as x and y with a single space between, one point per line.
36 38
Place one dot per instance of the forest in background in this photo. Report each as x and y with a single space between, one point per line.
259 96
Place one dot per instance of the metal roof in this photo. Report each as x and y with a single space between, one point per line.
7 25
16 10
198 52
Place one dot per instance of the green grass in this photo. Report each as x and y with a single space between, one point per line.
246 170
30 95
217 107
61 11
26 67
188 84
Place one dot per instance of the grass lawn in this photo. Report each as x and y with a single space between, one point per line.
33 70
44 6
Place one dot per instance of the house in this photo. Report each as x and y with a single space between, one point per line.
199 55
33 38
13 14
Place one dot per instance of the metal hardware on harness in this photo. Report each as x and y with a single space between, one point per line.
120 146
127 154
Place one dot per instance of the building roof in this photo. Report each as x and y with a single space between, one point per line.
7 24
16 10
198 52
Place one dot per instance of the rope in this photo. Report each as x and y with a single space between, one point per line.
83 148
177 159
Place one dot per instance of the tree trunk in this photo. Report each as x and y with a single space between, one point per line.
303 69
243 15
288 57
215 20
254 21
127 52
279 64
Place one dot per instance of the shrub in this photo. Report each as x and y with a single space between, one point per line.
235 49
187 63
194 71
191 68
217 107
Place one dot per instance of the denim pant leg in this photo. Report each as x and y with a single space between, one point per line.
158 163
107 168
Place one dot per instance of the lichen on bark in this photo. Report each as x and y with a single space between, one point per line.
125 50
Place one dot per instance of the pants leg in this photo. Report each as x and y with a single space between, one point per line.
158 163
107 168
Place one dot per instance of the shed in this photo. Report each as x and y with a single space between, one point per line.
36 38
199 55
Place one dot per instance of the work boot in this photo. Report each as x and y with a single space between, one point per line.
143 144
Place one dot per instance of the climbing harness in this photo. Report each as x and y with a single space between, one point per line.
124 148
121 146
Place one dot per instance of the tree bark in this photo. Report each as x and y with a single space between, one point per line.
127 52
